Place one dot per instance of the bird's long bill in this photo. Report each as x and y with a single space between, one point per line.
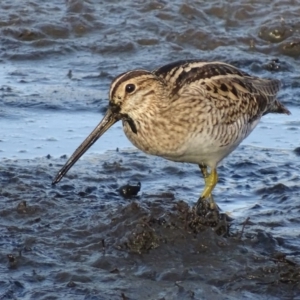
109 119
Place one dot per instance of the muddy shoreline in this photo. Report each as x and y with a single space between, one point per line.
143 247
81 239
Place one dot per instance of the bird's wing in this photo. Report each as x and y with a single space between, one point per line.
231 93
234 96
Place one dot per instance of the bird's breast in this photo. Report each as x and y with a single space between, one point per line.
155 138
186 142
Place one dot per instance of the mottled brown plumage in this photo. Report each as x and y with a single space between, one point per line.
187 111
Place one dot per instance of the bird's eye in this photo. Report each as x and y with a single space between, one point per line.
130 88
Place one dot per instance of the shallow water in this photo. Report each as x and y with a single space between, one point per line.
81 239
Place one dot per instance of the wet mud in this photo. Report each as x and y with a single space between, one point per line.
121 225
89 241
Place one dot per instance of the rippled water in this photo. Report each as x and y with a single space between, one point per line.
57 60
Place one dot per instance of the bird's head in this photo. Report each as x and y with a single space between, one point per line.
134 93
131 96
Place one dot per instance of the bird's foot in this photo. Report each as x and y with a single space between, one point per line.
206 205
210 212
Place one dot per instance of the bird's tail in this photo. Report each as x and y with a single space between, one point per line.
278 107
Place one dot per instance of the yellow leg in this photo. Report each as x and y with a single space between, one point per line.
210 182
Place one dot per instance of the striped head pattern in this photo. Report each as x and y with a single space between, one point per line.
134 92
